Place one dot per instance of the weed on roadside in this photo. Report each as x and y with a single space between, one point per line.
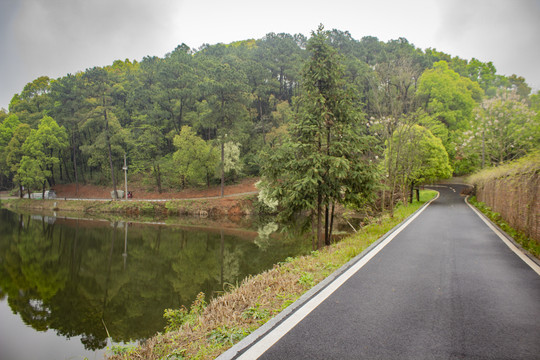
207 330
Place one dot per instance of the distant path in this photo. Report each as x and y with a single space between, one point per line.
445 287
153 200
172 199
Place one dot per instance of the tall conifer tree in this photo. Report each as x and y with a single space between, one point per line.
323 162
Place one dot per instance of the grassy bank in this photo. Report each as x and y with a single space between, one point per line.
206 207
511 190
206 330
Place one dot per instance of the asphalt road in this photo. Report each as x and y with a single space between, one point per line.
446 287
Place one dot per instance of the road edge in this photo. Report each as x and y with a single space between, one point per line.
523 254
249 341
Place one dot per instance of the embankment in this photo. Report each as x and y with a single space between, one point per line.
512 191
215 207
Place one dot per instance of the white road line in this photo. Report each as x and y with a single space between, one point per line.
273 336
508 243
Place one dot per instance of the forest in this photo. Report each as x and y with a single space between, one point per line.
198 117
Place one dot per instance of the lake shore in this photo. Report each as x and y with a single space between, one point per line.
90 199
206 330
231 207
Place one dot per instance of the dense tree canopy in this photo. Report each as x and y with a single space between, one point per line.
322 163
251 94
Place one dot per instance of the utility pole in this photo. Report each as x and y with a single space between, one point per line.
125 177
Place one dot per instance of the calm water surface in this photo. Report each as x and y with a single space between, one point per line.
65 282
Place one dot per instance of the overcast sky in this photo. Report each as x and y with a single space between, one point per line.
56 37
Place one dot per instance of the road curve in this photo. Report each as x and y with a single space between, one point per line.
446 287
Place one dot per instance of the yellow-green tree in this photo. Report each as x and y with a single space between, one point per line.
418 157
447 96
196 160
43 149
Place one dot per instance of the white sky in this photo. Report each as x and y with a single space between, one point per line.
56 37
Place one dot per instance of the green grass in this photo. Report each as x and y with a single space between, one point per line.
527 165
207 330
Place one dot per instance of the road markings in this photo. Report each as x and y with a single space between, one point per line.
274 335
508 243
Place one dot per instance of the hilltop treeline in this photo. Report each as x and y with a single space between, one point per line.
182 118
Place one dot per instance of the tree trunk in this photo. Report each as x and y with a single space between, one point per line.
109 150
66 170
222 168
75 164
326 225
383 200
331 223
157 170
320 241
313 235
52 182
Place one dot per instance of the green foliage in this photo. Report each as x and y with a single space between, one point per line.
14 149
505 129
7 130
437 128
227 336
307 280
257 313
7 127
123 350
320 162
231 161
448 97
30 174
483 73
196 160
418 156
252 93
178 317
527 165
33 102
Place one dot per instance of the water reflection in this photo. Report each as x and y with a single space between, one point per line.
86 277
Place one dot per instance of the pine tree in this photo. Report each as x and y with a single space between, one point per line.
322 162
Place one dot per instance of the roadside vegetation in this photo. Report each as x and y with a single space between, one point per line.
207 329
326 122
200 117
508 195
520 237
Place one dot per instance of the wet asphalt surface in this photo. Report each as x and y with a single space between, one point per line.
445 288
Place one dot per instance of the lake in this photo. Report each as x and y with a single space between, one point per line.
69 285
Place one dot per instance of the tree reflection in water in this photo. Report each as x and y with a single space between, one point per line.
75 276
